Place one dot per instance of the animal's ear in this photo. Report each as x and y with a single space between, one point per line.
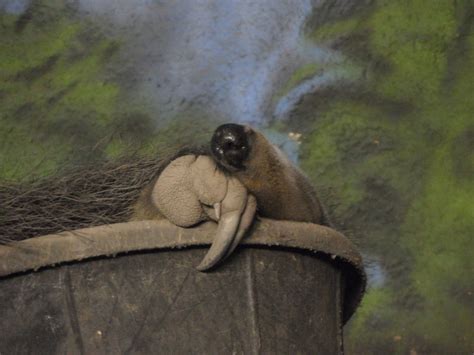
248 130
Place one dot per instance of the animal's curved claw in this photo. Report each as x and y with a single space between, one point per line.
225 235
238 211
245 223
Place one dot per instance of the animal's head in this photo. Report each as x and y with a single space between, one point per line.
231 145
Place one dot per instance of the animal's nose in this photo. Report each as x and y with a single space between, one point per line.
229 142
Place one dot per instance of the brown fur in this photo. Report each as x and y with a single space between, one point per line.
281 189
144 208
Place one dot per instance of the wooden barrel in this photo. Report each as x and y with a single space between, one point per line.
288 289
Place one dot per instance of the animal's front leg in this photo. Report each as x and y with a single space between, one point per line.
173 193
192 189
237 211
230 201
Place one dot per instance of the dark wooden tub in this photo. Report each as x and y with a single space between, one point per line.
288 289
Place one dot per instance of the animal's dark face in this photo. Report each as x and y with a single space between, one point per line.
231 145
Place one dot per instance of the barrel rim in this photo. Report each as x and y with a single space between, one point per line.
114 239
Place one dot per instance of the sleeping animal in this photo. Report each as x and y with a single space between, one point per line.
243 174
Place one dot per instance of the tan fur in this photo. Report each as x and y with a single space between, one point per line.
192 189
186 190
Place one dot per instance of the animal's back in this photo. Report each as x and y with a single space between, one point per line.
282 190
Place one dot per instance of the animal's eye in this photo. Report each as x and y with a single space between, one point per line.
243 147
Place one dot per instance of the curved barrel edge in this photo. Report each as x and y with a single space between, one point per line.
110 240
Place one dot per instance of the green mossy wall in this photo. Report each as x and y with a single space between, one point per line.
394 156
62 98
55 98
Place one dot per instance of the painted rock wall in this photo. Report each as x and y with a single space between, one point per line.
394 153
373 98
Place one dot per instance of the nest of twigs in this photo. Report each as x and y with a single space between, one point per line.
86 196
